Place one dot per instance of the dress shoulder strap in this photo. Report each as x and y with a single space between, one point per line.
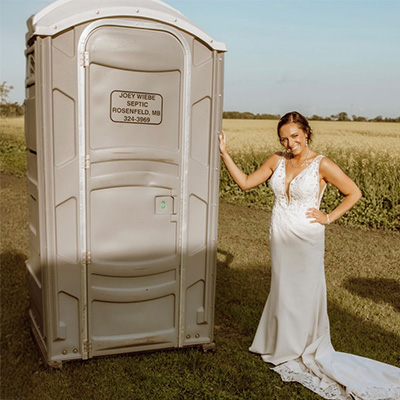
280 161
319 158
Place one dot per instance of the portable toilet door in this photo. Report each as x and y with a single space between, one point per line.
134 139
130 105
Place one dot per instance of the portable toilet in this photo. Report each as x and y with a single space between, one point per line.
123 111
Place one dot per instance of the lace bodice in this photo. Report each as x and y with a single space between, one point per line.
303 189
289 212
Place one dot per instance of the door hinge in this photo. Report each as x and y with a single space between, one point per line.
87 346
86 257
86 162
84 59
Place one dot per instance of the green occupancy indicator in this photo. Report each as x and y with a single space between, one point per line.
163 204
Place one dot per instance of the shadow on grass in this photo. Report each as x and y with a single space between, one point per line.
14 291
241 295
377 289
17 347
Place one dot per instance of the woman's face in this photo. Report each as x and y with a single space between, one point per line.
293 138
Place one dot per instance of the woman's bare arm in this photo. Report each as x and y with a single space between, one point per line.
331 173
244 181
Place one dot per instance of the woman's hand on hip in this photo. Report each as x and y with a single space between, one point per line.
318 216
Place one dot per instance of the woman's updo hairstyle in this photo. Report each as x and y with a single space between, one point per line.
299 120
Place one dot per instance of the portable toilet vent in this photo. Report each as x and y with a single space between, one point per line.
123 111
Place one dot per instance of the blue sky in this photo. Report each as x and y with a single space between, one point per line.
317 57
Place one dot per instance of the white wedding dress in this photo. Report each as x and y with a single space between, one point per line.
293 333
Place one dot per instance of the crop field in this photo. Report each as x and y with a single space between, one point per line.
368 152
362 276
377 139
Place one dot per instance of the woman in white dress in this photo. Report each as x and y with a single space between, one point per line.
293 333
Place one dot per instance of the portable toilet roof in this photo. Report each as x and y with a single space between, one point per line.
63 14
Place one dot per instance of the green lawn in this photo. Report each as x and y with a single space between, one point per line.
363 276
363 280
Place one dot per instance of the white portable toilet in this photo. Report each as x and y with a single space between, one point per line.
123 111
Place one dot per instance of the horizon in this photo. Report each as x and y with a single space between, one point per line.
340 117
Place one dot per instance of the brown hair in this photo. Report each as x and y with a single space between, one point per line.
297 118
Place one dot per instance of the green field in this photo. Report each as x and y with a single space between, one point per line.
368 152
363 281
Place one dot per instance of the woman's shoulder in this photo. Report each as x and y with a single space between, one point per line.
326 165
275 158
324 160
272 161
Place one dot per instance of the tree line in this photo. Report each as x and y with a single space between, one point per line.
342 116
12 110
8 109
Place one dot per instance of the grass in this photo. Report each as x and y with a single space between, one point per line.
12 146
363 302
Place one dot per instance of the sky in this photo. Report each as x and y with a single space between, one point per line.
316 56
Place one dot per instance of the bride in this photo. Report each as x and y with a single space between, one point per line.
293 333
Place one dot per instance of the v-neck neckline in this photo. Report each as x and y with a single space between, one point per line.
287 188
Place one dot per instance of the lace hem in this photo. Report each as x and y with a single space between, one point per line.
377 393
333 390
